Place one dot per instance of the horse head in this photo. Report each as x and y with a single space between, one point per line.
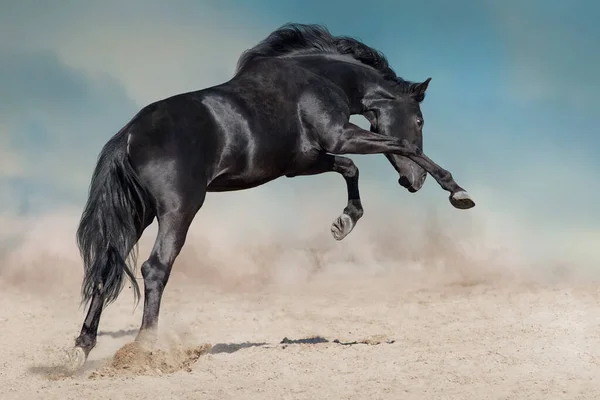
399 115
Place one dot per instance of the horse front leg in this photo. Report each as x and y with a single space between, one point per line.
343 224
352 139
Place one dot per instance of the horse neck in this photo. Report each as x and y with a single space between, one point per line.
355 79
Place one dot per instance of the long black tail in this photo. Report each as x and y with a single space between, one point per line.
111 224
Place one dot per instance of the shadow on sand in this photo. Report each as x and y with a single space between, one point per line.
57 371
229 348
119 334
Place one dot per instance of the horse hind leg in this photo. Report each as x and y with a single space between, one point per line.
173 226
86 340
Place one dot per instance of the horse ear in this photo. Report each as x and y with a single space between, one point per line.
418 90
372 118
424 85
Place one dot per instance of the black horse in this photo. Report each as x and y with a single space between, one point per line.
284 113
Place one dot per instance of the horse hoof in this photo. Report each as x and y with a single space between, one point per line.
462 200
342 226
75 358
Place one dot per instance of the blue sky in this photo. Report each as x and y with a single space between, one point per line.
510 110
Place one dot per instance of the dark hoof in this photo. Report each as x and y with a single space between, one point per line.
462 200
342 226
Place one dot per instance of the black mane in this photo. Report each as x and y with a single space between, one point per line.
300 39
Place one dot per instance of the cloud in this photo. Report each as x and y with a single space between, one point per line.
55 120
153 49
10 162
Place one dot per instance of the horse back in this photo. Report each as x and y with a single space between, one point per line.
240 134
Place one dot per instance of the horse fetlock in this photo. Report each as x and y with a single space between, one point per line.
86 342
148 336
354 210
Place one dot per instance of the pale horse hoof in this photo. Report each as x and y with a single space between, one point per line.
462 200
342 226
75 358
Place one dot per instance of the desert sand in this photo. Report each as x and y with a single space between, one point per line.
305 318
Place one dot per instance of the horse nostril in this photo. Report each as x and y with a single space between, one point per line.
404 182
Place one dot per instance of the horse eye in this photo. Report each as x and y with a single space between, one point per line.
419 121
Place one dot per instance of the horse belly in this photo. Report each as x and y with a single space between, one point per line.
244 173
224 184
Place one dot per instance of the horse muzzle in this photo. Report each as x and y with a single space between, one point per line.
414 181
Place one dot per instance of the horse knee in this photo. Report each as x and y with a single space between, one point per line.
352 170
346 167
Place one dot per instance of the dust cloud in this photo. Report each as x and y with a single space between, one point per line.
237 249
234 246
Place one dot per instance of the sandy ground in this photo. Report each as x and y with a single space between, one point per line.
454 340
451 330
